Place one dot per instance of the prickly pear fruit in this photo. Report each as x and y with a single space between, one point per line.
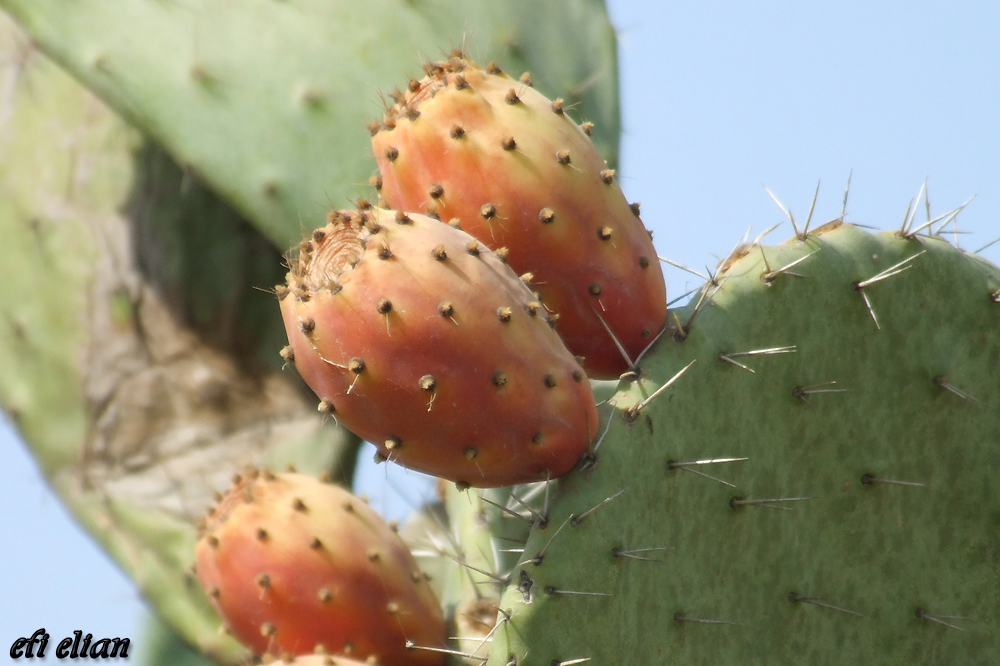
294 566
420 340
517 172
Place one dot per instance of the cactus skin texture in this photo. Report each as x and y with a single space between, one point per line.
295 566
419 339
518 173
888 551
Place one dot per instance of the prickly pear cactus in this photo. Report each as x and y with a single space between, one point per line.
816 483
149 335
801 470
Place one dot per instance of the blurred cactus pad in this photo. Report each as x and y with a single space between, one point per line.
801 469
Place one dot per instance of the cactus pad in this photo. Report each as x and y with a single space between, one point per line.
858 523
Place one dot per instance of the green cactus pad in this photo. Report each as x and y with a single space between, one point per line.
268 101
139 388
885 544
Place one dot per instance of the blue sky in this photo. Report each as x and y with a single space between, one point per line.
718 98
